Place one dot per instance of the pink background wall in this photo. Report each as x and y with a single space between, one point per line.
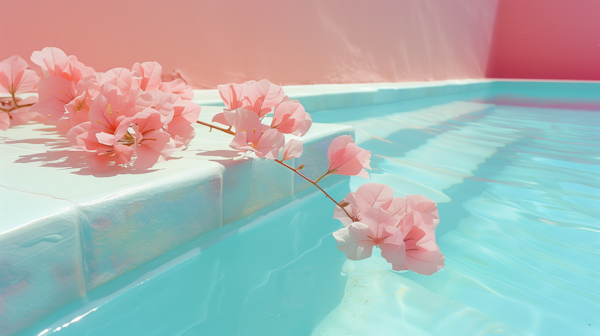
286 41
546 39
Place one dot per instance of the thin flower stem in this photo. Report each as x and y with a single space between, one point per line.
287 166
12 95
315 184
319 179
228 131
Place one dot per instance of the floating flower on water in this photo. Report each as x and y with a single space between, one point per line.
377 228
423 255
366 197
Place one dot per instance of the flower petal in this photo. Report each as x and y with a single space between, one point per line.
354 241
292 149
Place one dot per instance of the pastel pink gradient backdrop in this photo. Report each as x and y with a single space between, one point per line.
285 41
546 39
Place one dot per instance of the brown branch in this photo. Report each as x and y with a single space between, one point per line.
228 131
315 184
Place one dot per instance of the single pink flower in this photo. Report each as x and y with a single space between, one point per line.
151 75
54 94
127 81
425 207
162 102
100 155
151 142
15 78
179 87
180 127
63 88
262 96
54 62
289 116
377 228
233 95
346 158
254 136
79 71
367 196
292 149
259 97
109 110
304 126
78 109
423 255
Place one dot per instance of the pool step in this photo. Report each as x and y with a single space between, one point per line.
119 220
378 301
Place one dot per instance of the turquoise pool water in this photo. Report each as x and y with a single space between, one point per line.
519 199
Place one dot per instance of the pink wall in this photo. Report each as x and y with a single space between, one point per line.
546 39
287 41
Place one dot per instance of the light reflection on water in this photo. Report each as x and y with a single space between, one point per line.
521 233
519 194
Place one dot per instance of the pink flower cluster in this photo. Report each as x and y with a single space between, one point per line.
112 116
16 79
246 105
402 227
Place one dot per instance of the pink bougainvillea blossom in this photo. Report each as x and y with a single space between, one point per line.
15 78
109 109
152 143
425 207
346 158
151 80
162 102
54 93
377 228
128 82
53 61
423 255
179 87
304 126
252 135
292 149
63 86
180 127
100 155
151 75
367 196
259 97
233 95
413 218
262 96
289 116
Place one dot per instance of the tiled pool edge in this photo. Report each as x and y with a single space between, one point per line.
104 235
94 228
